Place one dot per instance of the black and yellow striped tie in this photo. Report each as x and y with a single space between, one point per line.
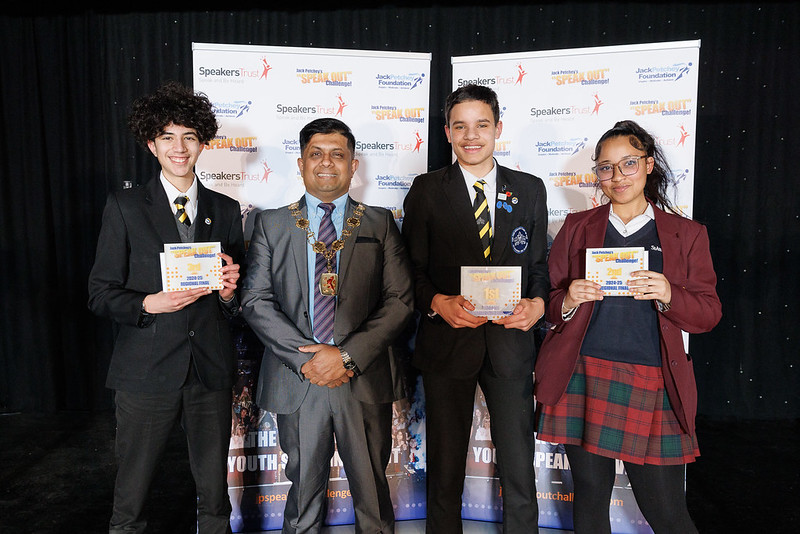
180 203
481 210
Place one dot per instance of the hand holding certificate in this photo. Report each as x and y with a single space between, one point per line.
191 266
494 291
612 268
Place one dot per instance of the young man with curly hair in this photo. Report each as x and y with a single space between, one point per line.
173 358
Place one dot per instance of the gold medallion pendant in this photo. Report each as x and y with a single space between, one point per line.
329 284
329 281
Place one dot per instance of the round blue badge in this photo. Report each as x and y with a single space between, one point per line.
503 206
519 240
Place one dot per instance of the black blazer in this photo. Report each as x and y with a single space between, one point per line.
153 356
441 235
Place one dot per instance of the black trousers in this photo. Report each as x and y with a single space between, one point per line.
144 423
659 492
448 410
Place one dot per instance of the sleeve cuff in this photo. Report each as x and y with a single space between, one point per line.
568 314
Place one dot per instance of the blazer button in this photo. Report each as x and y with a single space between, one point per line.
673 363
191 333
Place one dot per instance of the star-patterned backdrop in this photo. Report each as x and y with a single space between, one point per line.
68 76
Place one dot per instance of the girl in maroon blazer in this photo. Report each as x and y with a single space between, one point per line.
613 380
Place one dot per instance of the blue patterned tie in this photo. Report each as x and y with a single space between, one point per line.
324 306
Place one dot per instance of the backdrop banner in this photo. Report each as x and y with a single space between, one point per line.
263 96
554 106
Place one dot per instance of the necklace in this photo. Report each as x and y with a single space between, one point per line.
328 281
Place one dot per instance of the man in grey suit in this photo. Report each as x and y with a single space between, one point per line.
327 310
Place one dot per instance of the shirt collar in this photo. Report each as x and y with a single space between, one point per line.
313 203
490 178
173 192
635 224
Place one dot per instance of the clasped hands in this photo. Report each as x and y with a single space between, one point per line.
454 309
172 301
646 285
325 368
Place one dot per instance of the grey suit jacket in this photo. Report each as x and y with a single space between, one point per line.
374 304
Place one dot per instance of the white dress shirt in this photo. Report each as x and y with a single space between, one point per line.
173 192
490 189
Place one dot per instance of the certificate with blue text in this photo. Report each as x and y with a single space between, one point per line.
494 291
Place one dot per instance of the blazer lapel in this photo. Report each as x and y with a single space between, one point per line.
349 245
204 220
298 244
594 234
161 215
455 195
670 241
502 219
596 227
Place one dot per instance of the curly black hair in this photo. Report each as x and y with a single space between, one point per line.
172 103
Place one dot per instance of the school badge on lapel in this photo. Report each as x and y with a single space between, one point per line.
519 240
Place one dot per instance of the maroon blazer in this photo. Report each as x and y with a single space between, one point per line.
695 306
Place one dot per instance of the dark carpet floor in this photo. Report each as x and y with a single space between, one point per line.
57 473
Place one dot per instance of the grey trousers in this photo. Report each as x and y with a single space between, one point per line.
363 438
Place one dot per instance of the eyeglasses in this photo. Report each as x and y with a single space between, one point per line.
627 166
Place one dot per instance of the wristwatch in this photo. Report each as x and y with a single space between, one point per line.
347 361
145 318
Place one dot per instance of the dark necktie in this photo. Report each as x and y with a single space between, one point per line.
481 210
181 215
324 306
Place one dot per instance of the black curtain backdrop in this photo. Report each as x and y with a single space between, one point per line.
68 77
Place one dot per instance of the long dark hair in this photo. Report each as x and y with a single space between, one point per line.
658 181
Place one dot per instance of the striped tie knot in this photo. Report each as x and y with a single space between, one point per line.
180 214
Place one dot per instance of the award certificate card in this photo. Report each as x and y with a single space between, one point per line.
494 291
191 266
612 268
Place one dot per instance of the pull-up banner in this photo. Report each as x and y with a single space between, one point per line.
262 97
554 106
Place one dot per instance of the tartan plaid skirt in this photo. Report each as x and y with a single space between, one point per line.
618 410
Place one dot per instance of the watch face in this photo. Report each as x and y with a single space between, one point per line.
350 365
